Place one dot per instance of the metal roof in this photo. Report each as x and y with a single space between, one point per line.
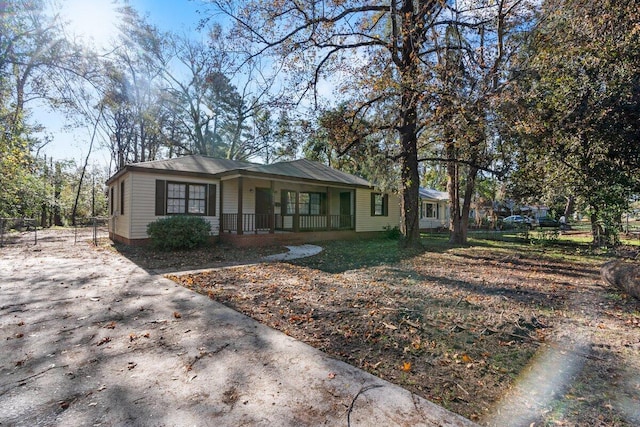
306 169
431 194
202 165
194 163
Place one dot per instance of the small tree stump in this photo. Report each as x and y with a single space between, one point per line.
622 275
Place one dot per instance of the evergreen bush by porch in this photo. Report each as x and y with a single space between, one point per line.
179 232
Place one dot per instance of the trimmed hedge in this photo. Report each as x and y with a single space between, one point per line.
179 232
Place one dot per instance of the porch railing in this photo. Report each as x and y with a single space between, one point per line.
251 223
254 223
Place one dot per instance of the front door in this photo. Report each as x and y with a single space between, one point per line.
264 213
345 210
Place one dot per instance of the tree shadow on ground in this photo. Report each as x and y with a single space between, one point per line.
156 261
105 343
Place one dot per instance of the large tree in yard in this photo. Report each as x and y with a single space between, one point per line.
376 54
474 56
381 59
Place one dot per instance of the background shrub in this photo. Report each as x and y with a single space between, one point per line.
179 232
545 237
392 233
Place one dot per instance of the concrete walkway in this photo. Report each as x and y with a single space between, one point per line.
88 338
295 252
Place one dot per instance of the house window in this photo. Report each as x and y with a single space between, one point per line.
185 198
176 198
111 201
313 203
379 204
197 199
122 198
288 202
429 210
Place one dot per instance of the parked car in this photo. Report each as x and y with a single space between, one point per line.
547 221
515 221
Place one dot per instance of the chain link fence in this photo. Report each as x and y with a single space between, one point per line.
29 232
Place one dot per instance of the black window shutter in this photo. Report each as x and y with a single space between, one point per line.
323 203
373 204
287 198
385 205
160 197
211 200
283 202
122 198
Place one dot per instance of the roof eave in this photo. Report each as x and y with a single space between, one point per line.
247 173
133 168
230 174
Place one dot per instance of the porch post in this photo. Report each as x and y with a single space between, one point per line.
272 210
354 196
328 209
220 198
240 228
296 215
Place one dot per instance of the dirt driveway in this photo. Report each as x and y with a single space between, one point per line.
89 338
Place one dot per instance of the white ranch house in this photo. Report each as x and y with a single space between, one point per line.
249 204
434 209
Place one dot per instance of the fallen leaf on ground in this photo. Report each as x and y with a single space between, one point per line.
390 326
104 341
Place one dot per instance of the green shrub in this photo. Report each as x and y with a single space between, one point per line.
544 237
179 232
392 233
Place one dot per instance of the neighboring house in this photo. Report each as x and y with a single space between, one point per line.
536 211
434 209
248 204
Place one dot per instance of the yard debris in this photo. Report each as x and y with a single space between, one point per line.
143 377
103 341
463 314
623 275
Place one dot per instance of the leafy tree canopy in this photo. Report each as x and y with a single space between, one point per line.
577 108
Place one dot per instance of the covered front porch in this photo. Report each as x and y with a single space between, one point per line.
270 223
258 206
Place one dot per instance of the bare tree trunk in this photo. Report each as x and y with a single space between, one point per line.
568 209
456 234
455 228
410 193
410 226
596 229
466 204
57 190
74 211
